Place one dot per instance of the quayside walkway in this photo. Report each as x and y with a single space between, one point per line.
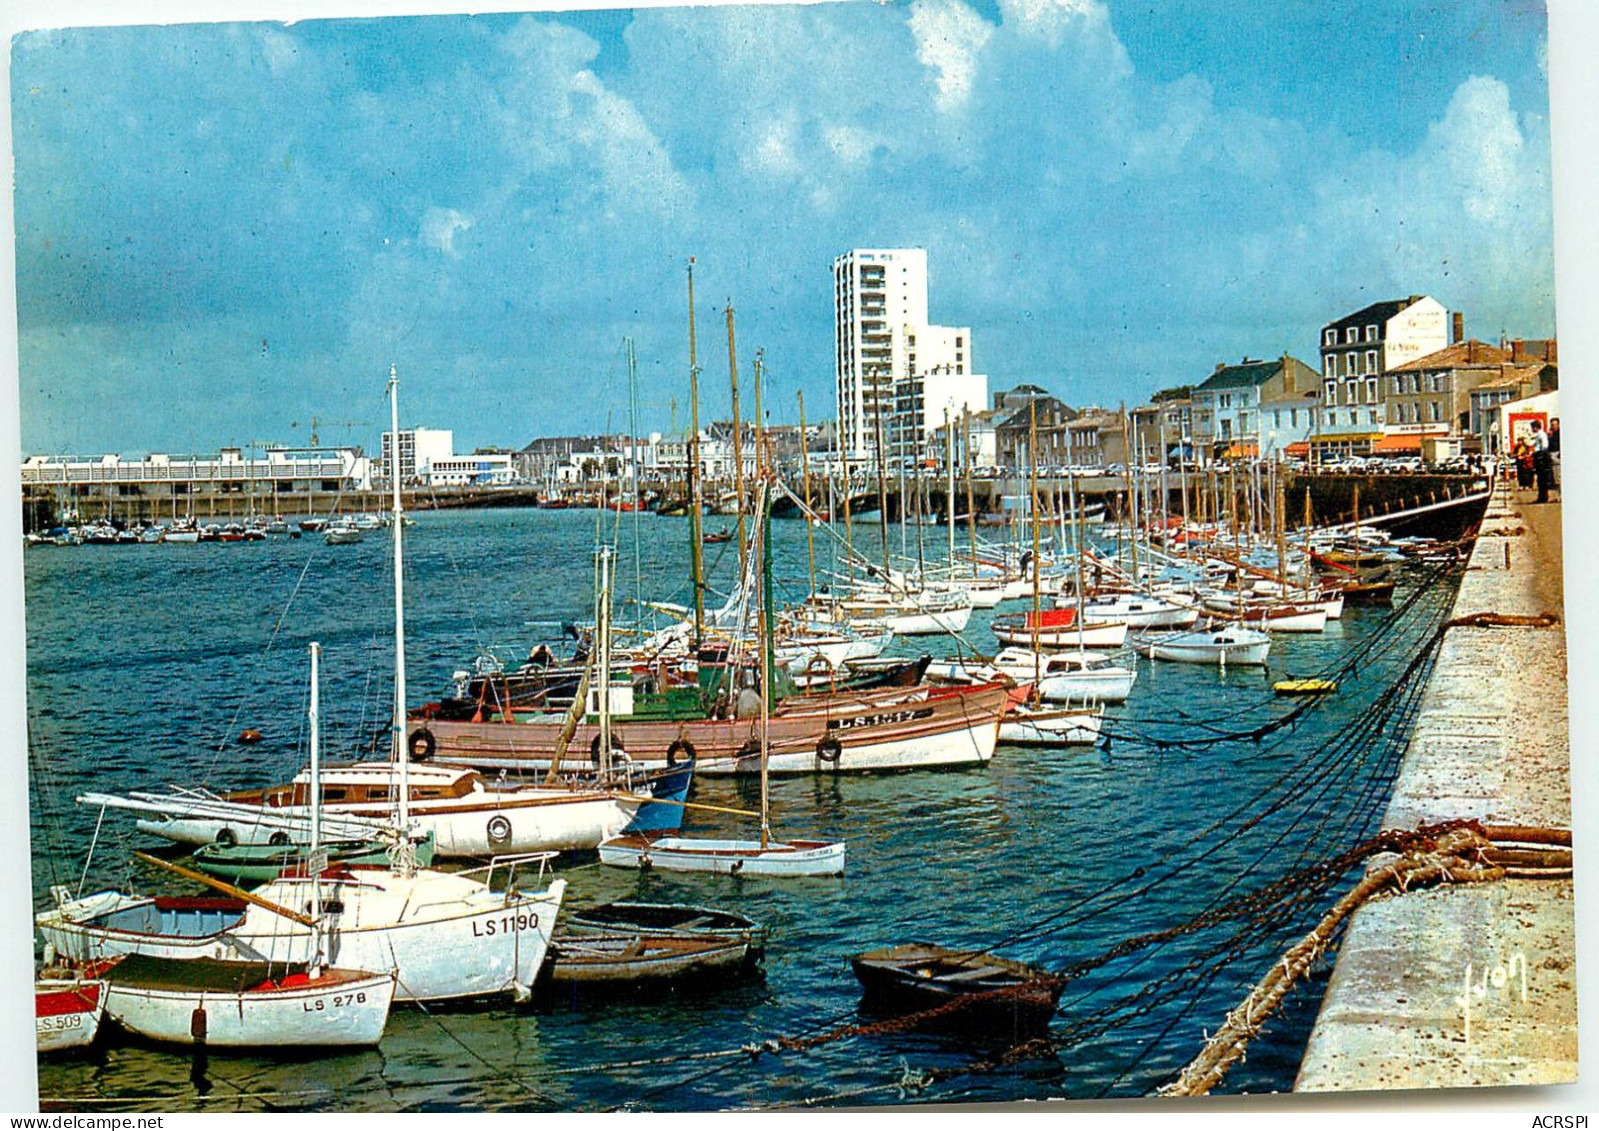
1475 984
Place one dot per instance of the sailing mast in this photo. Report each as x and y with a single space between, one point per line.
696 536
313 864
882 493
738 440
949 487
971 511
1032 453
402 856
805 466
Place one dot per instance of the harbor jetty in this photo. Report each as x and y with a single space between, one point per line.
1472 984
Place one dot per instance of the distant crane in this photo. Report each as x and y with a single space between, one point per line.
316 421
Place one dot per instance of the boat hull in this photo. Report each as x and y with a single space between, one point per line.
67 1013
886 729
725 857
1051 728
621 960
339 1009
447 937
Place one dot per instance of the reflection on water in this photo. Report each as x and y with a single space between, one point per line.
146 660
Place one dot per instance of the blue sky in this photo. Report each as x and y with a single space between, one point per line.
227 229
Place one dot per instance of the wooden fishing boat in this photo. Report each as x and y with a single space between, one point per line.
248 1005
628 959
1369 592
992 990
884 729
1305 687
725 857
717 537
673 918
1038 726
67 1009
258 863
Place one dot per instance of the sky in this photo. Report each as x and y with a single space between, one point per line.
226 230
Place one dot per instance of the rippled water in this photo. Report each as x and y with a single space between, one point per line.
144 660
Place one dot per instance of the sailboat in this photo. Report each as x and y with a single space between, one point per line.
450 935
763 857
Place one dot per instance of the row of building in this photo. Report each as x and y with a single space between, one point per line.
1394 377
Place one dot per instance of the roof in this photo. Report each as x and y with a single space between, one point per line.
1378 312
1457 356
1245 375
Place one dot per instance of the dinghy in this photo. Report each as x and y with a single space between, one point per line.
991 990
67 1009
1232 644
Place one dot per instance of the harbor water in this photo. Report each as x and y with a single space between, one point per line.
145 662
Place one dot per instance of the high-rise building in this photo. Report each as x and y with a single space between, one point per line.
895 371
419 447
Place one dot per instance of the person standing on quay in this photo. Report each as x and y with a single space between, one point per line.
1542 463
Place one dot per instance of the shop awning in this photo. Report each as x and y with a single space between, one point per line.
1398 442
1241 451
1299 448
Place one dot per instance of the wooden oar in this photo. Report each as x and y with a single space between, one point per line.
688 804
226 888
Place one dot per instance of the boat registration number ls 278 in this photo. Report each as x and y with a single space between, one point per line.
905 716
337 1001
505 925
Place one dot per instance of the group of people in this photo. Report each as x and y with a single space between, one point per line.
1535 455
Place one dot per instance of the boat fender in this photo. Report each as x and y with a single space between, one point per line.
499 829
279 839
680 746
423 744
829 749
227 837
617 750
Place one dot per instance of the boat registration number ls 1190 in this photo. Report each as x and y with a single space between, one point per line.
504 925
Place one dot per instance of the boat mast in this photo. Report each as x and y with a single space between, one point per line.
1032 453
632 416
971 511
738 440
1132 495
1079 536
602 632
805 467
313 865
767 663
949 487
402 855
882 491
695 528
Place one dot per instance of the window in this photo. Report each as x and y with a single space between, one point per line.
1349 334
1330 338
1354 363
1327 366
1293 418
1371 361
1371 333
1371 390
1434 414
1371 415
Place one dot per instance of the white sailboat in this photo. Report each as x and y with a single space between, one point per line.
1046 726
1232 644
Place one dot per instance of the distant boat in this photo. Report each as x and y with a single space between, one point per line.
311 524
343 535
673 918
728 857
1232 644
717 537
259 863
628 959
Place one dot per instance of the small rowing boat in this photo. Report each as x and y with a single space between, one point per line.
1305 687
991 990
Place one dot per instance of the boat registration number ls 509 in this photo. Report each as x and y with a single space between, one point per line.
909 715
504 925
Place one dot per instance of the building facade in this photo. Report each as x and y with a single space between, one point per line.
419 447
1227 405
1357 350
894 371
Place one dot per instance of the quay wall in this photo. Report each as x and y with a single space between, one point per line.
1472 985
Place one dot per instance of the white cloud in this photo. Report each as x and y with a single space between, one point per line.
949 37
439 228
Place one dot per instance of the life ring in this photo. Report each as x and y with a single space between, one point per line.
422 745
829 749
226 837
279 839
617 750
499 829
679 746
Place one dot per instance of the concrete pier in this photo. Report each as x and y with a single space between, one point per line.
1472 985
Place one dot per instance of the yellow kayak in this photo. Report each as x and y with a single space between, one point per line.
1305 687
